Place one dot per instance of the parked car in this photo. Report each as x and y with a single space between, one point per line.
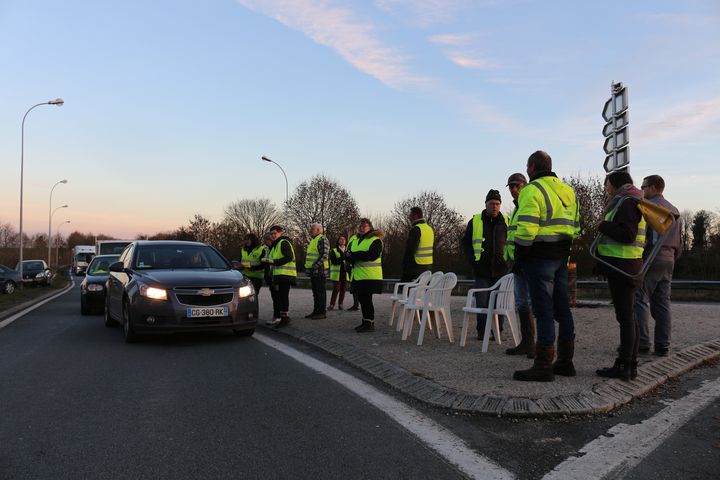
92 288
9 279
35 272
164 286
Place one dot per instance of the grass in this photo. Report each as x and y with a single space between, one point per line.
28 293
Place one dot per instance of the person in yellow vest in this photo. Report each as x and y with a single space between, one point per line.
418 248
251 254
281 259
348 266
548 220
338 273
621 244
484 243
523 304
367 276
316 266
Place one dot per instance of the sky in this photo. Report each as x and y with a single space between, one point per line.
169 105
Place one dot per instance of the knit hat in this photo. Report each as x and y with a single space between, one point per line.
516 178
493 195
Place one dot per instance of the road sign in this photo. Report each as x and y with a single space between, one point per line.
616 131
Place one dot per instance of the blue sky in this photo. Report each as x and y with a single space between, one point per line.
171 104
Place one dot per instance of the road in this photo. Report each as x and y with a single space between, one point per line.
77 402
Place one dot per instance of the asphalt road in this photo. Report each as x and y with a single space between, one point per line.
77 402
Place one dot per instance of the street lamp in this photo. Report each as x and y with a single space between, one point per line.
50 217
57 243
59 102
266 159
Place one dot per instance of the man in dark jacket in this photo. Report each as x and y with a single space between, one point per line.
483 244
418 248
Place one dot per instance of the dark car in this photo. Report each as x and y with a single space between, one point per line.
35 272
92 288
163 286
9 279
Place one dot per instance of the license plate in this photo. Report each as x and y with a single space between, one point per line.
207 312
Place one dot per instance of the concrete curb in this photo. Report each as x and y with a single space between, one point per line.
603 397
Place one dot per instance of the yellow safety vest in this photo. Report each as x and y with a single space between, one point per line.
477 234
610 248
368 269
335 269
289 269
252 259
547 212
312 253
424 252
509 252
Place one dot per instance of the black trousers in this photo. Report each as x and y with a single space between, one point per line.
622 292
366 305
280 293
317 283
338 290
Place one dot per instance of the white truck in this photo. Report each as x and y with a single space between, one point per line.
82 255
111 247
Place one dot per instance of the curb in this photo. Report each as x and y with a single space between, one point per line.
601 398
13 313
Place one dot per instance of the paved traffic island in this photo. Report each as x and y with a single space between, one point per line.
443 374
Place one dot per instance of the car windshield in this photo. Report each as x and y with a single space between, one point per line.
84 257
101 265
178 256
31 266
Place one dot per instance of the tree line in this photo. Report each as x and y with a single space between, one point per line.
321 199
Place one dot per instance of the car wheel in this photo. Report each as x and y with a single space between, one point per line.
84 310
130 335
9 287
109 322
244 333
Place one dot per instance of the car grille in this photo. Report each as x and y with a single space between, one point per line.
193 296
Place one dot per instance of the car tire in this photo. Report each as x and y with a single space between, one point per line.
128 332
109 321
84 310
8 287
244 333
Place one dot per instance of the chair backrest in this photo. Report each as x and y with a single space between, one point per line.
424 277
505 298
440 293
431 283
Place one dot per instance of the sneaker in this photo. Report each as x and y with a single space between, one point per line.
272 322
310 315
330 307
284 321
367 326
318 316
661 352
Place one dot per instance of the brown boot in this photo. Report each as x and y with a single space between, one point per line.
527 331
542 369
564 364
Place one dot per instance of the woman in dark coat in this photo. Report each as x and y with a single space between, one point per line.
621 245
366 258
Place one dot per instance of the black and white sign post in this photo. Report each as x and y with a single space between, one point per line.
616 131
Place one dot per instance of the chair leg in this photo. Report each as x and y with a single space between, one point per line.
423 323
512 321
401 319
463 331
392 315
496 328
448 324
486 337
407 327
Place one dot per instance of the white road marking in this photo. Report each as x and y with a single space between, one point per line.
435 436
10 320
627 445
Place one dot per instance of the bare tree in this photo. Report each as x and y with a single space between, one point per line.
252 215
590 194
8 235
200 228
321 200
686 217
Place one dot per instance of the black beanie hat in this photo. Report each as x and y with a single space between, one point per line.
493 195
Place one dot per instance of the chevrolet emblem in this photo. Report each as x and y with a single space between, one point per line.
206 292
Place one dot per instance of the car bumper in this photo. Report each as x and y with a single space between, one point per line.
93 299
152 316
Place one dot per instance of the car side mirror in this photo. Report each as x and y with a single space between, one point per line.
118 267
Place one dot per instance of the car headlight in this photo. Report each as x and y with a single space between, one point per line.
246 291
94 287
40 275
153 292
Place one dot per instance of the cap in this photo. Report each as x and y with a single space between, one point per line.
493 195
516 178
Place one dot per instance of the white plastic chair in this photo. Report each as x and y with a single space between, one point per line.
412 302
501 302
400 292
437 300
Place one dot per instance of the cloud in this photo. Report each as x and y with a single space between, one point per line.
696 121
454 39
425 12
470 61
340 28
460 50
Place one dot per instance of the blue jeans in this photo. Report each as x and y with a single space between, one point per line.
482 299
653 298
522 293
548 284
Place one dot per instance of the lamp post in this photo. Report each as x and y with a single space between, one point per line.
59 102
266 159
57 243
50 213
